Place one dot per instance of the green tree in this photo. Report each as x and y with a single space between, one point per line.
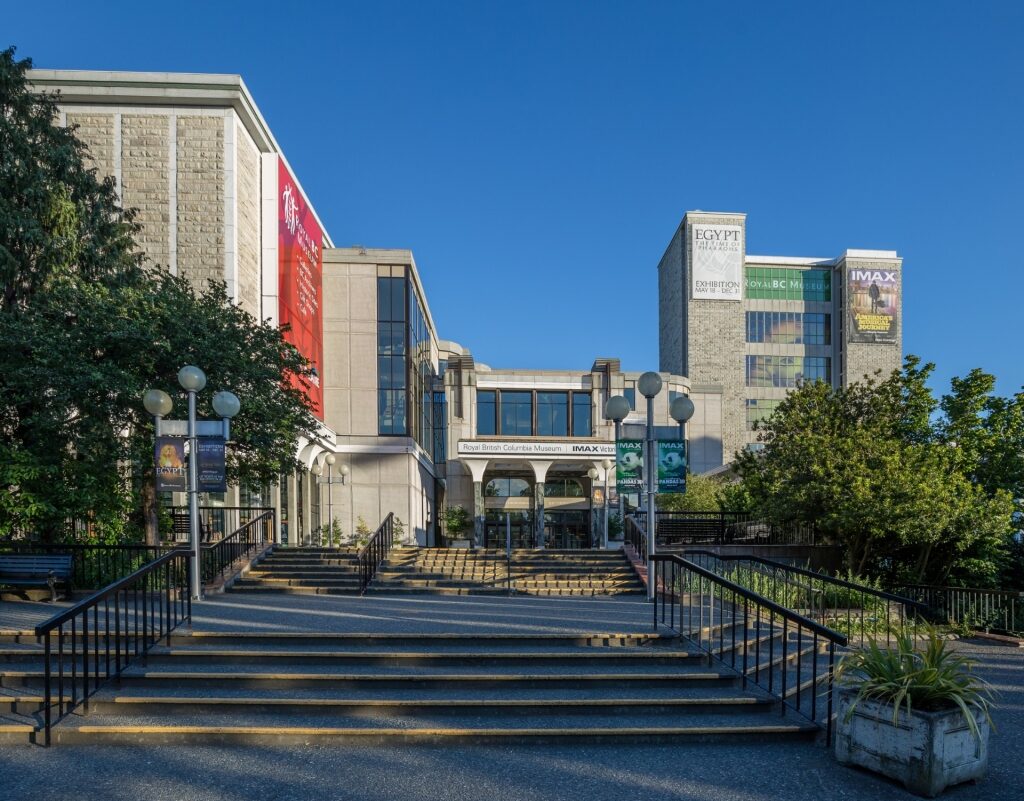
867 466
702 494
88 327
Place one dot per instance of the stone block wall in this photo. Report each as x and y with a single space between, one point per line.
248 210
145 180
96 130
200 196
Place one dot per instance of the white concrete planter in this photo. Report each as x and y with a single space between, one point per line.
927 751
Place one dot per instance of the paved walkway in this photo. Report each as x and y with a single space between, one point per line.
767 771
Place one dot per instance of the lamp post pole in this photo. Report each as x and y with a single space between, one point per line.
607 466
616 408
193 496
649 385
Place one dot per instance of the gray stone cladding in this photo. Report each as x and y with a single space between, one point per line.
672 308
201 199
97 132
248 162
145 181
716 334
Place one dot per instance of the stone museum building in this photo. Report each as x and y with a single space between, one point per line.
413 422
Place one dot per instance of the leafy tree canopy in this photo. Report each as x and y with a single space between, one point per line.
911 494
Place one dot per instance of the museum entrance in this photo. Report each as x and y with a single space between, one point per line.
567 530
521 524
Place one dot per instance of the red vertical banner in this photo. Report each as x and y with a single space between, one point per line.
300 275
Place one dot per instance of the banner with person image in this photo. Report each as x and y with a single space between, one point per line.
671 466
874 302
629 465
169 464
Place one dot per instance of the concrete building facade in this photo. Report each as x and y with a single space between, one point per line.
752 327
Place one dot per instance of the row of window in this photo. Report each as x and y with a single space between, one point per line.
789 328
787 371
522 488
782 283
527 413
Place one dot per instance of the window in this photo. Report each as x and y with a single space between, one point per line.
486 412
552 414
629 393
781 283
789 328
581 414
517 414
563 488
787 371
508 488
392 356
759 409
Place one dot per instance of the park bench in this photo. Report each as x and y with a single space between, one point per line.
28 570
182 530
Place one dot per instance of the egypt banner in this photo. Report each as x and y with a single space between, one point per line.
671 466
873 302
300 275
169 464
629 465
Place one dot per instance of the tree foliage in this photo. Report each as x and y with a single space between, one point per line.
702 494
88 326
879 474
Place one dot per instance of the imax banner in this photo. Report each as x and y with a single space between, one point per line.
716 262
629 465
874 301
671 467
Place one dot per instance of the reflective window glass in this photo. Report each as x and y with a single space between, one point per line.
581 414
517 413
552 414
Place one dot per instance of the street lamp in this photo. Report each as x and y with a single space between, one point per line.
606 465
330 460
649 385
681 411
592 474
616 408
225 404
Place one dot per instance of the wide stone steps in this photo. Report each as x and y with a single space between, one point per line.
492 572
282 687
302 571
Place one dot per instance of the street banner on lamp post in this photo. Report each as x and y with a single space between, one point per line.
671 466
211 473
169 464
629 465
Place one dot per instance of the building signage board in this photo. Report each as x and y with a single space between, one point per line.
629 466
591 450
873 302
210 464
671 466
716 262
169 464
777 283
300 282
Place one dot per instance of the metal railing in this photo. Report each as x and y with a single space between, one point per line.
858 611
784 653
217 557
1001 611
215 522
93 565
634 534
678 529
375 551
127 619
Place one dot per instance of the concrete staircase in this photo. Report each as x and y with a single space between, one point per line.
302 571
458 571
286 687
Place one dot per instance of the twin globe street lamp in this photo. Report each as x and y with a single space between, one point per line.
329 480
226 405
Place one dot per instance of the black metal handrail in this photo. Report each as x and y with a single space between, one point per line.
998 610
775 648
678 529
862 612
634 534
137 612
375 551
217 557
215 521
93 565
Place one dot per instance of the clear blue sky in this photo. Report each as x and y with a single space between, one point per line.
536 157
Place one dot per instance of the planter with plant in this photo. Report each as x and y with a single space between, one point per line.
917 716
363 532
456 524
